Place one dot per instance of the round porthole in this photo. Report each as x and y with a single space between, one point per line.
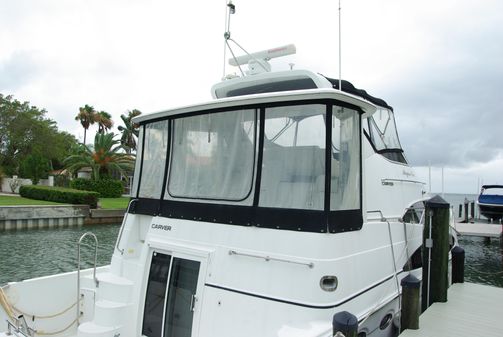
385 321
328 283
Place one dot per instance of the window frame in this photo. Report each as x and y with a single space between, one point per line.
263 136
395 154
167 173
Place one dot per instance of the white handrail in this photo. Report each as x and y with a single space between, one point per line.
78 268
122 227
269 258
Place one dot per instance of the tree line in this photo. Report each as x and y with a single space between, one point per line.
31 144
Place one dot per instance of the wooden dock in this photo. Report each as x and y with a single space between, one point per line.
471 310
479 229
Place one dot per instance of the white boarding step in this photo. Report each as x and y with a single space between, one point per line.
109 313
91 329
114 288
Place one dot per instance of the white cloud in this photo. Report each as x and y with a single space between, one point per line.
437 63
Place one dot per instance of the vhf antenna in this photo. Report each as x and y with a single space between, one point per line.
230 8
340 49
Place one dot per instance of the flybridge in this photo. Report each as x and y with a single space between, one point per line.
287 81
264 81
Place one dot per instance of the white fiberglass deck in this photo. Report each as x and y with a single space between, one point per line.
471 310
479 229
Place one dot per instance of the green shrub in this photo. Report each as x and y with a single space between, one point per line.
59 194
107 188
62 180
34 167
82 184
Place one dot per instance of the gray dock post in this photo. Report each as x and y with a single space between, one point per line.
472 210
436 254
458 265
410 303
346 323
460 212
466 211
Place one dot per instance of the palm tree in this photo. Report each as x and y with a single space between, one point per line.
129 130
104 120
86 117
103 158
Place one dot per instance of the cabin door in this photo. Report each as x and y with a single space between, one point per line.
171 301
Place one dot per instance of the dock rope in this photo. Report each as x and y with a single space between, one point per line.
6 305
11 309
44 317
43 333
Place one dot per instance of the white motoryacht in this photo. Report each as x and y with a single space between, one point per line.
261 213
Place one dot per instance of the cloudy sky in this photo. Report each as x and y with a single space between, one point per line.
438 63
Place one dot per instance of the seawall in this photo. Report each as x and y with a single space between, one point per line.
33 217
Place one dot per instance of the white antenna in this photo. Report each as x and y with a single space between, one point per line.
442 181
429 176
340 49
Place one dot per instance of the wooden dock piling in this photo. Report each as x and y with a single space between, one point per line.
410 303
458 265
435 256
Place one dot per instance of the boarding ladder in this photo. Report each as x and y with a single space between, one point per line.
79 313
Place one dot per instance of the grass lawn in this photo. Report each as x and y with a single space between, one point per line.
7 200
106 203
114 203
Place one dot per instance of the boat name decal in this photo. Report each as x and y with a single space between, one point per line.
408 173
163 227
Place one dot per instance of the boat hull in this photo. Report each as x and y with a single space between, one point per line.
491 211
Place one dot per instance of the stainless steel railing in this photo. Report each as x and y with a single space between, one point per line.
78 268
20 327
124 222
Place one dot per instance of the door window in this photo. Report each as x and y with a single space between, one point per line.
170 297
181 298
156 291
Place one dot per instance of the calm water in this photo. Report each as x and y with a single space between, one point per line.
483 261
31 253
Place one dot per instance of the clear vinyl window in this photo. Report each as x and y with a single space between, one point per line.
384 136
213 156
137 165
293 168
154 159
345 159
383 130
